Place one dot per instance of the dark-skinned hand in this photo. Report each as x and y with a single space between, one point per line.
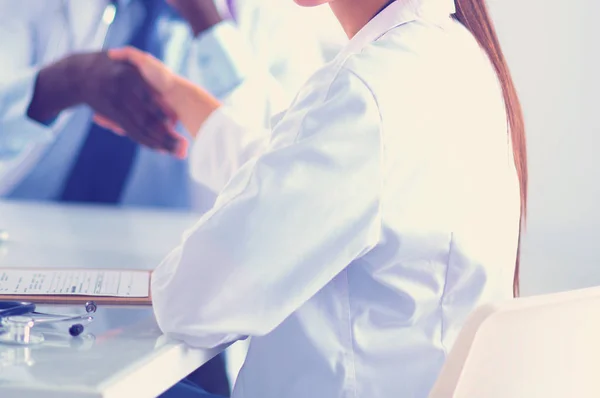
113 89
200 14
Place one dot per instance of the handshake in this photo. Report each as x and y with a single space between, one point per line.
131 93
174 98
170 96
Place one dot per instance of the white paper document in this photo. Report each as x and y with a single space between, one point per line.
16 281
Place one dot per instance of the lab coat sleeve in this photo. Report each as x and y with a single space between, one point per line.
221 61
287 223
17 83
222 146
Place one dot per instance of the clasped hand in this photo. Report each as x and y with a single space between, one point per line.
130 92
179 98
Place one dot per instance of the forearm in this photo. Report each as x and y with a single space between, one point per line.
192 104
54 91
202 22
201 15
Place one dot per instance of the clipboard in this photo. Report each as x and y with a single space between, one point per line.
76 300
73 298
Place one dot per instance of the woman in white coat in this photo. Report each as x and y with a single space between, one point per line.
382 209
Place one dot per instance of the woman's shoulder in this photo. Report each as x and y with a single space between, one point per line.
333 83
334 96
390 58
418 59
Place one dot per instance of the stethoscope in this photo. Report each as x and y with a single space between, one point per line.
17 319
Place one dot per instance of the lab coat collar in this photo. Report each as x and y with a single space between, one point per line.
399 13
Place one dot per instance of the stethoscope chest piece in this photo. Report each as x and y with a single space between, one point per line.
19 331
17 321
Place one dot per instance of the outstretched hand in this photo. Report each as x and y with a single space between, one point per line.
158 76
111 87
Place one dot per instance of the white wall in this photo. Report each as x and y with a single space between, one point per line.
553 48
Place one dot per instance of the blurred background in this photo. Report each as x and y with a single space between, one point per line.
552 50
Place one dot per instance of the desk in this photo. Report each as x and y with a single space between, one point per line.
124 354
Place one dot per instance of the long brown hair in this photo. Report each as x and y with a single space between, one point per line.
473 14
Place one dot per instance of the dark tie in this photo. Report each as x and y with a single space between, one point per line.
104 162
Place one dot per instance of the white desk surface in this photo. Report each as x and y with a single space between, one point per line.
124 354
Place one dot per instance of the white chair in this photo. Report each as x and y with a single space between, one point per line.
536 347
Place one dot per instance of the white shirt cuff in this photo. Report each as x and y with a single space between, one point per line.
220 59
17 130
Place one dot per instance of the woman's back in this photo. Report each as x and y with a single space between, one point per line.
440 220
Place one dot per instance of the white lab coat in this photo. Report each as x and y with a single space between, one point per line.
353 243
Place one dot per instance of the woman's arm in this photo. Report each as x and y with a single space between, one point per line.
192 104
285 225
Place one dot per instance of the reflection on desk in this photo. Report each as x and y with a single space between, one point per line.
27 356
52 235
62 359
